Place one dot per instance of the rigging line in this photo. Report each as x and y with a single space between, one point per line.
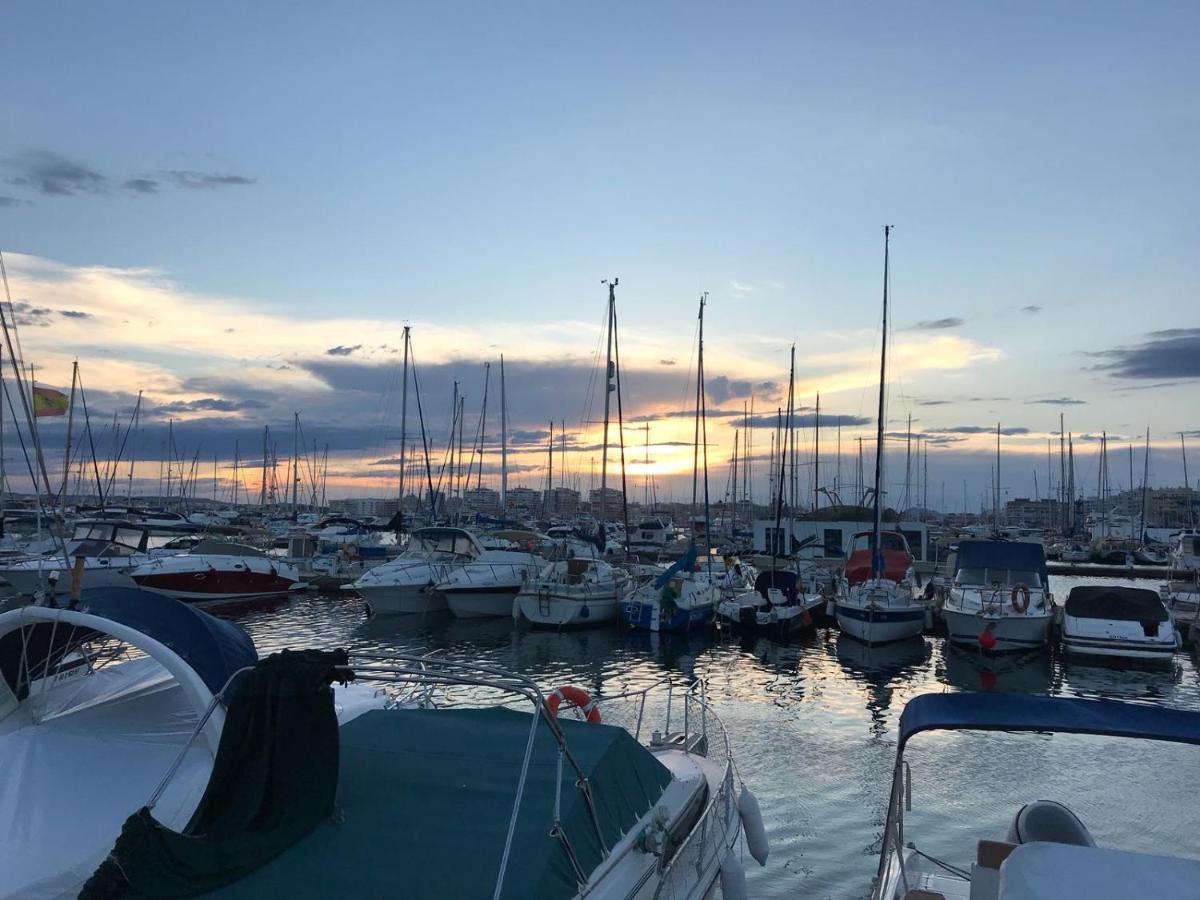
412 361
20 436
585 414
621 433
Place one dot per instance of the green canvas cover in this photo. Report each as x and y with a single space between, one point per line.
274 778
425 800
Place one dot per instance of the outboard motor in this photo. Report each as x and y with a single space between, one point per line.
1045 820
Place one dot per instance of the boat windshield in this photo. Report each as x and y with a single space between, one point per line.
438 541
1006 577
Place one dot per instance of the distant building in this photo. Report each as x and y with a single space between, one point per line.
613 498
1025 513
482 500
524 500
365 507
561 501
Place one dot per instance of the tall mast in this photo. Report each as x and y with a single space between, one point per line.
1062 465
1187 484
403 428
609 370
817 456
70 424
503 444
549 471
997 509
487 377
295 461
877 550
1145 479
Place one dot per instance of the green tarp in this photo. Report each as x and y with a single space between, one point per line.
274 778
424 805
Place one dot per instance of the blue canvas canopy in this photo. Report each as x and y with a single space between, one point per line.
1019 712
214 648
1014 555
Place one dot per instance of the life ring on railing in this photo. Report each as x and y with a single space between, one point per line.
578 696
1019 591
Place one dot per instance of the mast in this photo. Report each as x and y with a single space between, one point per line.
702 415
817 456
295 461
1145 478
503 444
487 377
1187 484
877 525
609 370
403 428
262 498
1062 465
549 472
1131 523
997 499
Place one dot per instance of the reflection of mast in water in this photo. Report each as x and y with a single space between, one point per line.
881 669
970 670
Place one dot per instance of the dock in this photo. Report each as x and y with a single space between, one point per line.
1099 570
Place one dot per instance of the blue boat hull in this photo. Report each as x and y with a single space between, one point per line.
641 616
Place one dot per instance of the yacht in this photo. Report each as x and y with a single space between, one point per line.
110 550
539 797
999 598
680 599
1047 851
1118 624
214 573
487 585
877 603
1185 552
575 591
407 583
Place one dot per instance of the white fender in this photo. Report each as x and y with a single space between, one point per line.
733 878
752 823
830 607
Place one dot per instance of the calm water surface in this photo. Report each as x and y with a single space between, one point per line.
813 727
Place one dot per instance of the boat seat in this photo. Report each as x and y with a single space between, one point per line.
1046 820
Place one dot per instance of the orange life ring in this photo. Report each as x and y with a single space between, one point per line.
578 696
1021 591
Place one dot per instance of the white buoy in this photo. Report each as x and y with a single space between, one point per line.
752 824
733 878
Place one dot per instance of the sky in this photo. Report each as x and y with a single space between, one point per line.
236 208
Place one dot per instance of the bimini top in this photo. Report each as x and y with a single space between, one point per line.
1120 604
213 648
439 786
1018 556
1021 712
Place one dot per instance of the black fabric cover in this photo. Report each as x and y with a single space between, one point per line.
1122 604
274 779
780 579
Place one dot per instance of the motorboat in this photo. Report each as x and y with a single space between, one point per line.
1118 624
407 583
651 536
1047 851
1149 555
487 585
109 549
214 573
1183 602
542 800
1075 552
782 600
877 603
999 598
98 703
570 592
679 599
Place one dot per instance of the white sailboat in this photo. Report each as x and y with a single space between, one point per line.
879 609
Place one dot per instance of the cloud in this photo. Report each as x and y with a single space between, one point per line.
935 324
1031 309
666 362
141 185
1060 401
739 287
49 173
74 314
8 201
208 404
1172 353
188 178
976 429
342 351
27 314
722 389
934 402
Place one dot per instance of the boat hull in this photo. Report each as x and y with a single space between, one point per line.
1101 650
481 604
30 581
394 600
550 610
1012 632
647 616
874 625
217 586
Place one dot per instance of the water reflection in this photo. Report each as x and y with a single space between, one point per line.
971 670
881 670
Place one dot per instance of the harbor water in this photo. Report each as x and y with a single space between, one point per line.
813 725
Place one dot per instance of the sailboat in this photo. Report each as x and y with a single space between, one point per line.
879 609
682 597
581 590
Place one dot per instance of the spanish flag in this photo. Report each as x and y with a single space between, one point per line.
49 402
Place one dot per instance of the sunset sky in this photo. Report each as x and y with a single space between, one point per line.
236 209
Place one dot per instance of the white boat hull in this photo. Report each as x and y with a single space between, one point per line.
1100 649
1011 632
402 599
481 604
558 611
873 625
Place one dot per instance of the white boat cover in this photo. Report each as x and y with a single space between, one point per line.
1046 871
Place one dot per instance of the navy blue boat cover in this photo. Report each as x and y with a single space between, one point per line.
1015 555
213 647
1020 712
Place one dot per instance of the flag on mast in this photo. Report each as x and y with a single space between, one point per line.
49 402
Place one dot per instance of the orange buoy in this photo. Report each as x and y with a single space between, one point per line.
578 696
